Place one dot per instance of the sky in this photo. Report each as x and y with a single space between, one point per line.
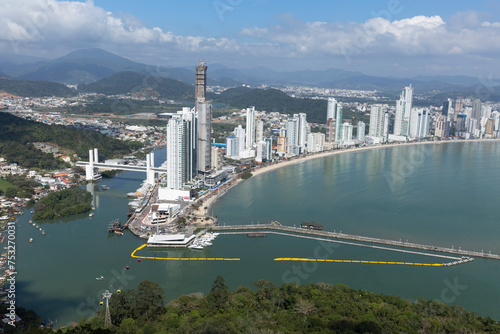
397 38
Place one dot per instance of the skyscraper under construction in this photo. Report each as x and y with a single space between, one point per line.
203 111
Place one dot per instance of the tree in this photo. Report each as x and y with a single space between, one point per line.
219 295
11 192
149 300
265 291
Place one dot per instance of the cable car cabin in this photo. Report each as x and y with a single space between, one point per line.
311 226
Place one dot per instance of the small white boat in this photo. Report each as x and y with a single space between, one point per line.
91 214
100 278
195 246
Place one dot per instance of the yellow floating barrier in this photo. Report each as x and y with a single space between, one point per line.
178 258
358 261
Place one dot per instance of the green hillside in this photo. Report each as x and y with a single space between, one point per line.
291 308
274 100
17 134
26 88
133 82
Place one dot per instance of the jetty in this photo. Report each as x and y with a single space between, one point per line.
318 234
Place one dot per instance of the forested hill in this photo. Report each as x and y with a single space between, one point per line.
291 308
17 134
25 88
274 100
133 82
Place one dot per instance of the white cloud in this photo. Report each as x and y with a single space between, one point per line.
419 35
51 28
32 23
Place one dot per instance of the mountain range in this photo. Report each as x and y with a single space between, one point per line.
85 67
90 65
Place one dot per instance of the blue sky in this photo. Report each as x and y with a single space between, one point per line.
391 37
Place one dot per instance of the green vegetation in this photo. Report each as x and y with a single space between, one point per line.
4 185
141 84
26 88
63 203
17 186
117 106
109 173
17 134
29 156
291 308
274 100
246 175
31 322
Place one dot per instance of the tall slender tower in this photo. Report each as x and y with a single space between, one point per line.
250 128
403 110
203 111
200 85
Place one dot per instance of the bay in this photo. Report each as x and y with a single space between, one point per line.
442 194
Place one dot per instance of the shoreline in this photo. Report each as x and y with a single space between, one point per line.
202 212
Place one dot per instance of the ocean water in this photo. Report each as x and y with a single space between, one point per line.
440 194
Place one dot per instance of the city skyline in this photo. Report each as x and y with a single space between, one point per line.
382 38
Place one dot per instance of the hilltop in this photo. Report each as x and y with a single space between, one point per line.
136 83
27 88
18 134
291 308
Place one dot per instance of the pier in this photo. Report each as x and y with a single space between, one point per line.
316 234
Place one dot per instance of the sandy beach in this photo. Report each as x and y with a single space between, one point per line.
204 208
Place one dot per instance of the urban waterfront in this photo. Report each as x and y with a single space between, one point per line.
441 194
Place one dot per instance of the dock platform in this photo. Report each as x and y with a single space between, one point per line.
342 236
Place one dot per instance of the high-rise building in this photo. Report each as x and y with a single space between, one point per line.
181 153
303 130
377 117
419 123
292 136
495 115
361 131
204 116
403 109
315 142
232 147
216 159
461 123
346 133
281 148
476 111
241 134
330 130
338 123
331 108
259 125
267 155
176 155
458 108
200 86
489 128
442 129
250 128
203 111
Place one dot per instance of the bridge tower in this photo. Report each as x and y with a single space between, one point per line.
150 173
91 172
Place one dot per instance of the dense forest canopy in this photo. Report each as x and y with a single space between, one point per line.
291 308
63 203
27 88
17 134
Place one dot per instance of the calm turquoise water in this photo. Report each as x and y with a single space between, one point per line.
443 194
